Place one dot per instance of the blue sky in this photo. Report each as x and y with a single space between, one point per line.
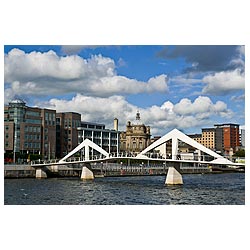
184 87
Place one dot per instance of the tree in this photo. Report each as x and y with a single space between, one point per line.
240 153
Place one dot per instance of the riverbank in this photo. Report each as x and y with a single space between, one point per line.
27 171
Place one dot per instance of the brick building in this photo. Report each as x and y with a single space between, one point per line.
227 137
66 132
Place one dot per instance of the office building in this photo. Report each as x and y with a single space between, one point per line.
66 132
227 138
107 139
29 132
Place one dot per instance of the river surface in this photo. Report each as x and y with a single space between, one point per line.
198 189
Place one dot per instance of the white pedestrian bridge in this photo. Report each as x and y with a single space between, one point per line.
204 156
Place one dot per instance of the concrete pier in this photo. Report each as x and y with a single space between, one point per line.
174 177
87 174
40 174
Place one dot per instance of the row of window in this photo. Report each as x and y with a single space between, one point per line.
32 137
68 123
32 145
50 123
32 129
34 121
92 126
50 117
33 113
96 134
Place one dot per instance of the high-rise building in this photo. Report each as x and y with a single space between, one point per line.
28 131
227 137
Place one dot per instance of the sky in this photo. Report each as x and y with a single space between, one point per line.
185 87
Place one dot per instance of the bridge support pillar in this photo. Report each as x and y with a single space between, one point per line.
40 174
87 174
174 177
54 168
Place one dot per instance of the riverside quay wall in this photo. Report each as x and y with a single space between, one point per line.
27 171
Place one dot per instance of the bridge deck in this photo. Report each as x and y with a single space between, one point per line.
143 159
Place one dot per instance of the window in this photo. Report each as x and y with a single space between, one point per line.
58 121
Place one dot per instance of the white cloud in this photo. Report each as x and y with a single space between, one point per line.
184 79
223 82
75 49
241 50
201 104
182 115
240 98
46 73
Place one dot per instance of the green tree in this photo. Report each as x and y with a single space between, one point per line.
240 153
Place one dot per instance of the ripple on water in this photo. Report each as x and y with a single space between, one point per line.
197 189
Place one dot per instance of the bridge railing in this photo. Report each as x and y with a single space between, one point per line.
34 162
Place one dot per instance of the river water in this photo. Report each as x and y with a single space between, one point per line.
198 189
